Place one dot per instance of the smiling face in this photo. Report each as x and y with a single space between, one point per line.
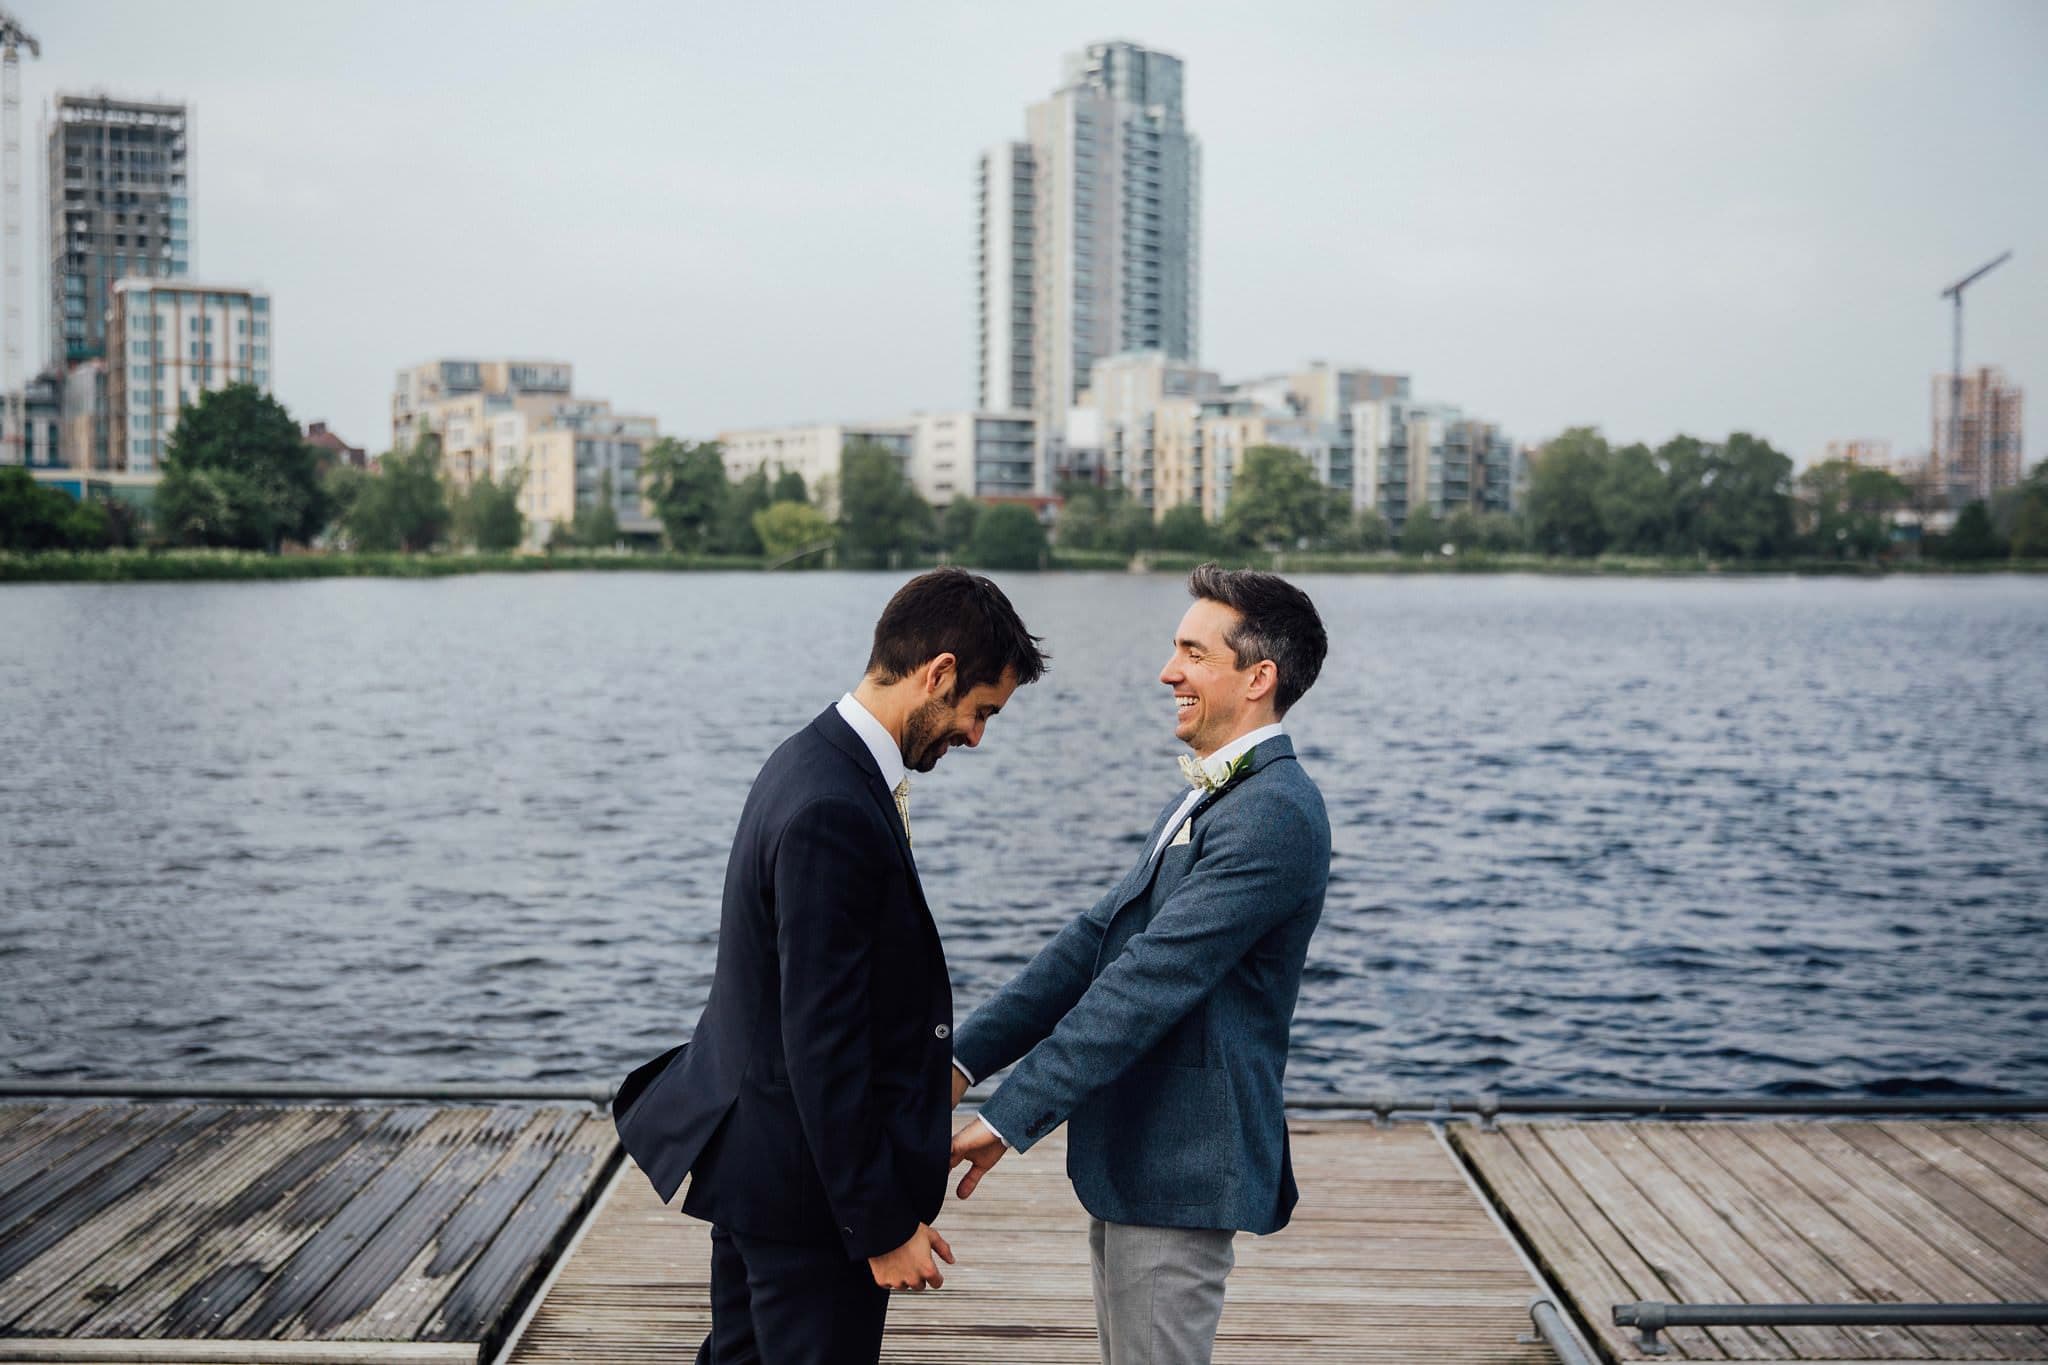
1217 701
947 719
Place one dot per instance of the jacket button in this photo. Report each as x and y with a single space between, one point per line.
847 1231
942 1031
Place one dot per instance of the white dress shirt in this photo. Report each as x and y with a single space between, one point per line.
888 753
1217 764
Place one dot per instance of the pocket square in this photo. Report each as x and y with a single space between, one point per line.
1187 832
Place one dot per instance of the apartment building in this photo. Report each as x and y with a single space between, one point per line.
814 450
1979 435
169 341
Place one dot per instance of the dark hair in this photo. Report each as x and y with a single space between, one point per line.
951 611
1277 622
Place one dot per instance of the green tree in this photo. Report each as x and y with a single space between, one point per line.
2030 528
1183 527
596 526
488 516
403 506
1369 531
789 487
1461 528
1564 494
956 525
34 518
1008 536
788 526
237 473
685 480
880 514
743 498
1422 533
1746 513
1973 537
1633 500
1849 508
1276 500
1499 533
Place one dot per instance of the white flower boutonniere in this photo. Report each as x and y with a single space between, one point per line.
1210 775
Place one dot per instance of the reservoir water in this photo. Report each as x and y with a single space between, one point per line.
1763 836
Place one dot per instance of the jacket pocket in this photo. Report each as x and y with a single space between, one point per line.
1169 1134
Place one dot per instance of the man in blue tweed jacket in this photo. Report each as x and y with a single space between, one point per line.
1155 1025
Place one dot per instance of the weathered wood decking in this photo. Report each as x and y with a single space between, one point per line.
1391 1257
1784 1213
187 1226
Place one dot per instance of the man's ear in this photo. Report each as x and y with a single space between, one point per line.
1265 677
939 673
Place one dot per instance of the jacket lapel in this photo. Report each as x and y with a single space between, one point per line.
1142 876
833 727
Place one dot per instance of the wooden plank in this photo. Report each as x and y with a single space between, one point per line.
2000 1152
383 1257
1947 1148
2030 1140
635 1287
324 1255
1586 1256
101 1170
518 1255
99 1256
68 1134
403 1308
1807 1274
1667 1249
2005 1248
1750 1276
232 1254
1877 1257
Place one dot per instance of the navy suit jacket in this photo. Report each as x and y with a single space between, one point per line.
811 1105
1155 1025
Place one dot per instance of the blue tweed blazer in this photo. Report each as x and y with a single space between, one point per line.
1155 1025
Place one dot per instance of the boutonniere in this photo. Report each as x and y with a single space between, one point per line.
1211 776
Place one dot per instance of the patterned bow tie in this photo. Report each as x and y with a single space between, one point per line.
902 795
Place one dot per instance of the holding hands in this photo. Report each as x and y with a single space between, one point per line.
977 1145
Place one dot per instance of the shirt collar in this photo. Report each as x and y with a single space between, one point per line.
888 755
1219 762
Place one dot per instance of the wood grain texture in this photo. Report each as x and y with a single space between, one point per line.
1839 1212
1390 1257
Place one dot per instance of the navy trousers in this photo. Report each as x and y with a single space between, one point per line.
775 1303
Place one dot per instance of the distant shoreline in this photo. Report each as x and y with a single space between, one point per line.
144 566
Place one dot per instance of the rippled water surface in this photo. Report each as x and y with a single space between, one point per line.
1766 836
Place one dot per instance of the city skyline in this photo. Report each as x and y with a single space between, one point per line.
1652 221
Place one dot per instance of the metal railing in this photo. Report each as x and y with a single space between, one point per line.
1651 1318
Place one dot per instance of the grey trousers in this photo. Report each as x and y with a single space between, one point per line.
1158 1291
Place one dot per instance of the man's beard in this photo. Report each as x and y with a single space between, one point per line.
926 733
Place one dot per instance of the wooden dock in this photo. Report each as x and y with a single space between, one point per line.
190 1232
1391 1257
1843 1212
273 1233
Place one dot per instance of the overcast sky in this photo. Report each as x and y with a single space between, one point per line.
1650 217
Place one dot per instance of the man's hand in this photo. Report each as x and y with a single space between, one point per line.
959 1085
979 1147
911 1266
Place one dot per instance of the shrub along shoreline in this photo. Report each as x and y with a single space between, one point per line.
170 566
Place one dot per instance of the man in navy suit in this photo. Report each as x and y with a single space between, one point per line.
1155 1025
810 1107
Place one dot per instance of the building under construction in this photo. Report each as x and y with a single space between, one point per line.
1977 435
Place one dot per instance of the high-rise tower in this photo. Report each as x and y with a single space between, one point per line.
1089 234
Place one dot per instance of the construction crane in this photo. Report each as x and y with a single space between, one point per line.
1955 374
13 38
